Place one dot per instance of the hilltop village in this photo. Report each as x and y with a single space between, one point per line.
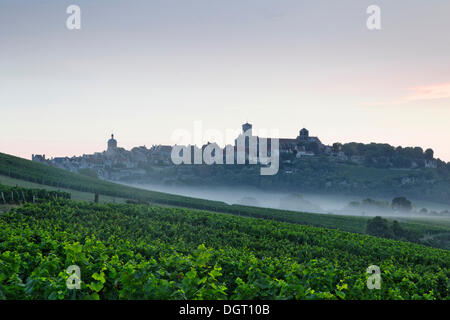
116 163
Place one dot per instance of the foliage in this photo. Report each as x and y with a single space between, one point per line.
147 252
37 172
402 204
379 227
317 174
10 195
382 155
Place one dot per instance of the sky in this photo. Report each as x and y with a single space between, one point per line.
145 69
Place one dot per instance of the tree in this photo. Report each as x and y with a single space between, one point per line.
402 204
401 162
429 154
397 230
418 152
337 146
404 234
379 227
350 149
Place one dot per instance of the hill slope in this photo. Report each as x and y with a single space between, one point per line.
311 175
16 170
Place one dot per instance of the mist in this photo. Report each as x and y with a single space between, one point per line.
294 201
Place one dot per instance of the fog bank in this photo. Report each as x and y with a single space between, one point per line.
302 202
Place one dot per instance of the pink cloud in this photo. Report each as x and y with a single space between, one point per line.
427 92
435 91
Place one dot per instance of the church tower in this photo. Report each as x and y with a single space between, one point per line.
304 135
112 144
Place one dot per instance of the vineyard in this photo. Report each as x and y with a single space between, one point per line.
43 174
131 251
26 170
17 195
141 250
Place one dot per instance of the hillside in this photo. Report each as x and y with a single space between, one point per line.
15 170
311 175
26 173
22 169
148 251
